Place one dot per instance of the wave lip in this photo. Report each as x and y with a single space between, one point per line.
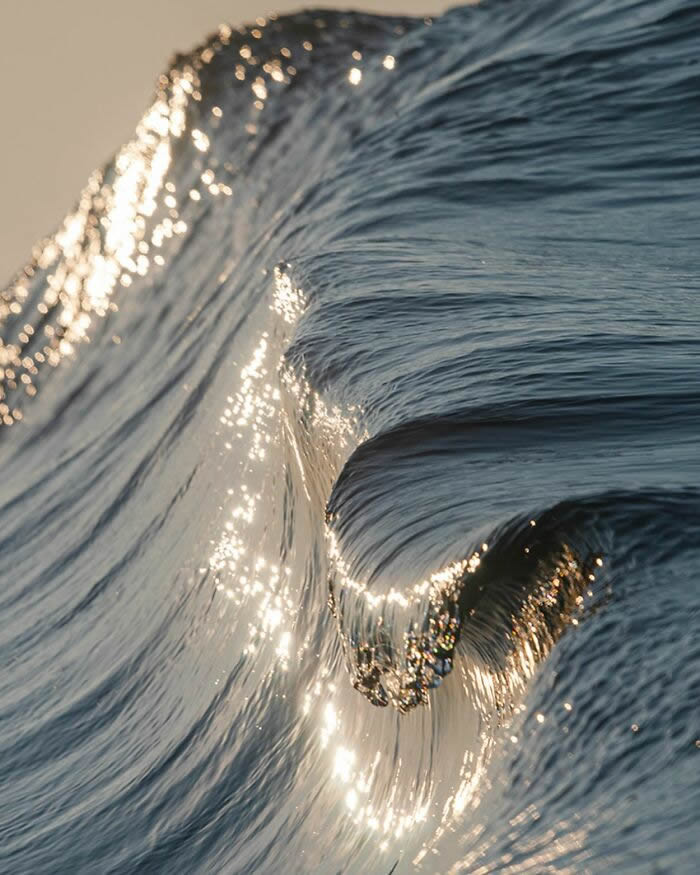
404 672
499 611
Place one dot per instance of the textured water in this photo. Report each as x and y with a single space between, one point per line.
349 507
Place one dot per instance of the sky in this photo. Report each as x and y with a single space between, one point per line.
77 76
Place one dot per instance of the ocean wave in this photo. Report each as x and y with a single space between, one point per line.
367 370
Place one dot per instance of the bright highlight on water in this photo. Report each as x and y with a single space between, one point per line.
349 510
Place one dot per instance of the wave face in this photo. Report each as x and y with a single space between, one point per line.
349 511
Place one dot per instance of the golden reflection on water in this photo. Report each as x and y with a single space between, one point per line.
112 237
252 422
101 245
436 587
361 773
552 603
368 801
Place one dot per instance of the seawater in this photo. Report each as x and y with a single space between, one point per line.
349 509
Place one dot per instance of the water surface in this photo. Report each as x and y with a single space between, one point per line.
349 515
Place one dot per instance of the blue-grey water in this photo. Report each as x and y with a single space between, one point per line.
349 504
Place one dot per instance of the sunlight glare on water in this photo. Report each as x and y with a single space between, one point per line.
349 508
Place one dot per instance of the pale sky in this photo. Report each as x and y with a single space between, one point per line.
77 76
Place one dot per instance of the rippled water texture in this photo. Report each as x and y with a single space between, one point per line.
349 515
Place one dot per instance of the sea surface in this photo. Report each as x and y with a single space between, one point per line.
350 460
